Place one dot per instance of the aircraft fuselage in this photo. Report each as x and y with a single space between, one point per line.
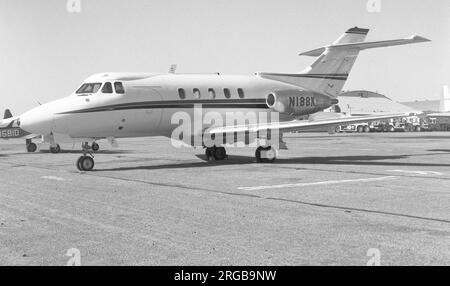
147 106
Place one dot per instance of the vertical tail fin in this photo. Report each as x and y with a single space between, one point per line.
330 71
353 35
8 114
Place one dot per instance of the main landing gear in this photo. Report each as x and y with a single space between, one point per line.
266 154
216 153
86 162
263 154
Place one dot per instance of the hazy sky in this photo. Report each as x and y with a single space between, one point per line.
46 52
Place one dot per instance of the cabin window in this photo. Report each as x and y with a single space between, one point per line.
89 88
196 92
181 93
241 93
212 93
118 86
227 93
107 88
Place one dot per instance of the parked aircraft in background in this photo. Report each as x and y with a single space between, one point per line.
9 129
444 107
118 105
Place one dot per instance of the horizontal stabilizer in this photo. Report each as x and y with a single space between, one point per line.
366 45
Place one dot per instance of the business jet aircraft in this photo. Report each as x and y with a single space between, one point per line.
118 105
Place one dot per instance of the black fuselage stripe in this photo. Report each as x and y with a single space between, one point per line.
321 76
163 105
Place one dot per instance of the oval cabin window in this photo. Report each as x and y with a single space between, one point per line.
241 93
181 93
227 93
196 92
212 93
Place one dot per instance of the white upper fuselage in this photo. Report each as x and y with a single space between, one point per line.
148 103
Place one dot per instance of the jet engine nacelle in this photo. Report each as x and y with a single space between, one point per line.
298 102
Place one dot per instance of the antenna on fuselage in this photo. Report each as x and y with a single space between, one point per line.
173 68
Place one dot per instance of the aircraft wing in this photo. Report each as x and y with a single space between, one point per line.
299 125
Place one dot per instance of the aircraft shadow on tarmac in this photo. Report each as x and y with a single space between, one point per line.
329 160
105 152
440 150
435 137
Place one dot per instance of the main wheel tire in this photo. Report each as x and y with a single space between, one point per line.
56 149
220 154
79 167
95 147
31 148
258 154
265 154
87 163
367 129
271 155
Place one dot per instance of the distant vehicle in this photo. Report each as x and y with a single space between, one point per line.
362 127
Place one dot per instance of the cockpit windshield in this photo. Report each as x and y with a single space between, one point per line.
89 88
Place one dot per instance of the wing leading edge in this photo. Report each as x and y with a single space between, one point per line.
298 125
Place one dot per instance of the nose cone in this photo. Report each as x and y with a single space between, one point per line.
37 121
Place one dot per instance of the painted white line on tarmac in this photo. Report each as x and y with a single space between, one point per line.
257 188
54 178
417 172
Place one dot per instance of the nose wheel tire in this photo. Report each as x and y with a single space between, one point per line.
266 154
31 147
85 163
56 149
95 147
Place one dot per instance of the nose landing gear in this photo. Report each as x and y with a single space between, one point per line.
216 153
86 162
